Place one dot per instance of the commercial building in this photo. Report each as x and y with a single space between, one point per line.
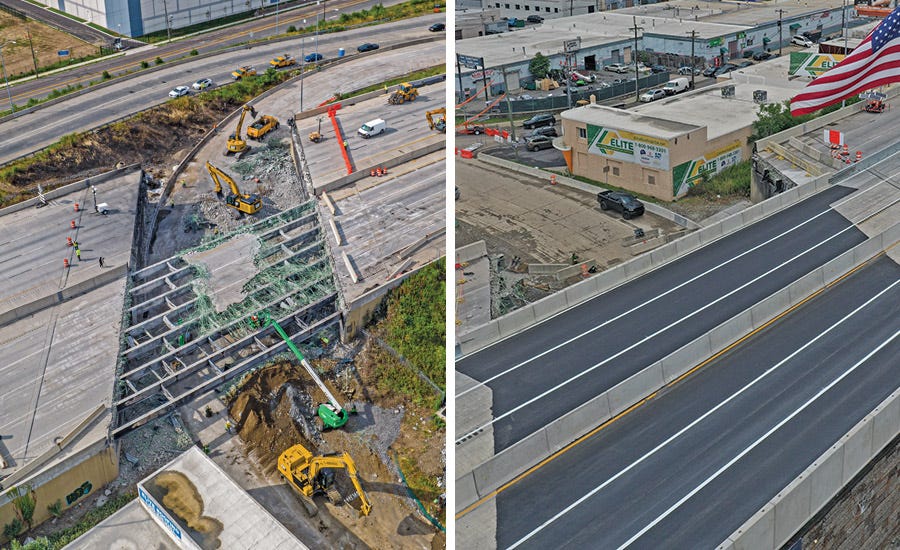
662 148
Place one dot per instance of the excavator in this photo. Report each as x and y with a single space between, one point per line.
246 204
311 475
406 92
438 123
236 143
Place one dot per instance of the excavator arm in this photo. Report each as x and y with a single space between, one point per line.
430 116
218 175
343 461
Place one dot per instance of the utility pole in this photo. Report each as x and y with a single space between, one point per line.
693 75
780 40
168 29
33 57
512 127
12 107
637 83
567 72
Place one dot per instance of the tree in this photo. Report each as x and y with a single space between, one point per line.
24 502
539 66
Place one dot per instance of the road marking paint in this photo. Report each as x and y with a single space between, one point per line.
637 307
756 443
702 417
552 457
654 335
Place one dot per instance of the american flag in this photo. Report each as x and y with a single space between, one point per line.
875 62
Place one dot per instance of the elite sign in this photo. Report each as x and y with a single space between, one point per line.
628 147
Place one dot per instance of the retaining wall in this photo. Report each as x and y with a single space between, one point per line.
504 466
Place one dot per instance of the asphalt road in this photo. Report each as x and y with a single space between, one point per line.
541 373
204 43
688 468
32 131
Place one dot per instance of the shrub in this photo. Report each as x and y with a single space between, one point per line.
195 52
55 509
292 29
106 75
13 528
144 64
158 61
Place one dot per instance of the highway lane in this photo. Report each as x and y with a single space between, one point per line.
204 43
688 468
32 131
551 368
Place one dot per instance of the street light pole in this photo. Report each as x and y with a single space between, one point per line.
693 72
3 66
317 27
276 17
634 56
302 62
168 27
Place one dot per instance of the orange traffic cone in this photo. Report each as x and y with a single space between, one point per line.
65 262
73 224
76 207
68 241
553 179
858 156
372 172
846 151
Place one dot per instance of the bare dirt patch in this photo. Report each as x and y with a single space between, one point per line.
275 409
47 43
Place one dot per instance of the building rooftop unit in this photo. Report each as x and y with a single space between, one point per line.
723 115
193 490
594 30
59 327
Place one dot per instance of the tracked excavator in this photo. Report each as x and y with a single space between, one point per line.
311 475
236 144
437 119
246 204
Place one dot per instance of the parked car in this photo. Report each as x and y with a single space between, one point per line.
652 95
179 91
543 119
367 47
725 69
659 69
625 203
801 40
537 143
685 69
534 19
710 71
616 68
437 27
312 57
544 131
202 84
761 56
745 63
747 54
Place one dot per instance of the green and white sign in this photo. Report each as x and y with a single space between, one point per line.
813 64
628 147
687 174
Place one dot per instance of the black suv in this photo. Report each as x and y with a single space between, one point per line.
544 131
544 119
629 206
534 19
761 56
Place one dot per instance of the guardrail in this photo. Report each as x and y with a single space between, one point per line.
542 444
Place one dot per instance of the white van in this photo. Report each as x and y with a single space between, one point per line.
372 128
677 85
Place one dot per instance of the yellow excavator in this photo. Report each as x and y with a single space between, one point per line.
247 204
436 122
311 475
236 143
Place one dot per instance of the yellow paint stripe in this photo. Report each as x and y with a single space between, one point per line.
552 457
593 432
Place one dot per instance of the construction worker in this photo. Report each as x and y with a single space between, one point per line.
78 253
101 261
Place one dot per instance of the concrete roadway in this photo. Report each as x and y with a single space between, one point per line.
206 42
551 368
688 468
29 132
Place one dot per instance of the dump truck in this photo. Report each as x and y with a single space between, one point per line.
406 92
311 475
262 126
242 71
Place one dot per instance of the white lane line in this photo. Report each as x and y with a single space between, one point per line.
651 336
705 415
756 443
639 306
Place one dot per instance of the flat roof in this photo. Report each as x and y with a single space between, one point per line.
721 115
631 120
596 29
60 360
234 518
748 14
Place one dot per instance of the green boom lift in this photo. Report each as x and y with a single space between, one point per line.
331 413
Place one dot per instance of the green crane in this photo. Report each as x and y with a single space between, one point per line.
331 413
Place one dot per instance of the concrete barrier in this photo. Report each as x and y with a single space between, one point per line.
804 496
72 187
363 172
500 469
471 252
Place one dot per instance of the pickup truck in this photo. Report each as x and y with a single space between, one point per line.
627 204
282 61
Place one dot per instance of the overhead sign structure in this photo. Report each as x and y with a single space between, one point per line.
813 64
470 62
628 146
687 174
